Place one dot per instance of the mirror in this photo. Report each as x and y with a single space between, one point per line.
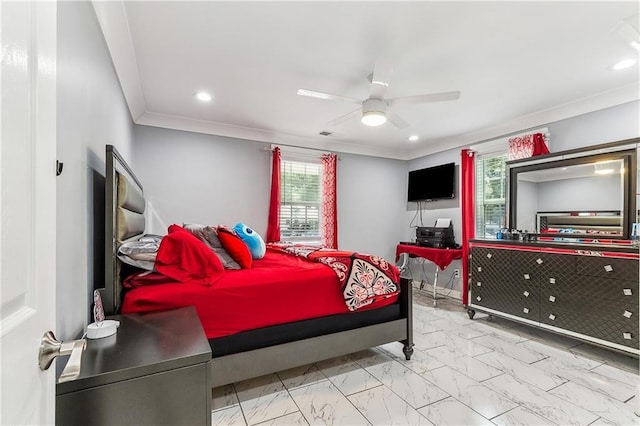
591 197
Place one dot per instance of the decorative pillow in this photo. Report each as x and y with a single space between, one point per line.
235 246
209 236
252 239
185 258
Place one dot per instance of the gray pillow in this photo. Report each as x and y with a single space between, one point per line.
209 236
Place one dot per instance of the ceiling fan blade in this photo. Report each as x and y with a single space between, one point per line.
380 78
396 120
346 117
328 96
423 99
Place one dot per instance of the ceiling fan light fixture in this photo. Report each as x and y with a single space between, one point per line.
374 112
373 118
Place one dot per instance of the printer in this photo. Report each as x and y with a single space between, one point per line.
438 236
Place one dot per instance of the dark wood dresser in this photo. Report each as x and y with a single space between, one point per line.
155 370
585 291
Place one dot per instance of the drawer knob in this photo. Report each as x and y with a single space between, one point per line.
627 336
627 292
552 317
479 284
526 293
552 298
527 277
489 255
525 310
478 298
539 261
608 268
552 280
479 268
627 314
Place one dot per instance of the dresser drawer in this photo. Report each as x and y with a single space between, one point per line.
590 288
511 299
609 325
609 267
558 263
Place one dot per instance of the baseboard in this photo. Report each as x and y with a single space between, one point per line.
427 290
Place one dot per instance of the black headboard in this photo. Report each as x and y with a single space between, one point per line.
124 220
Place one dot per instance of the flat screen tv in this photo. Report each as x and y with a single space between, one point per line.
432 183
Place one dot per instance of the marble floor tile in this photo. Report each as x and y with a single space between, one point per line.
424 327
347 375
542 335
528 373
301 376
371 357
451 412
419 362
477 396
471 331
569 358
223 397
443 338
293 419
615 359
588 378
543 403
230 416
323 404
383 407
496 343
264 398
408 385
593 401
616 373
520 416
472 367
508 335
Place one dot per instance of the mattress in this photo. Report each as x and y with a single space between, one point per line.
277 289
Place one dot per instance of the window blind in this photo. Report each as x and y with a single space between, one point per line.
300 197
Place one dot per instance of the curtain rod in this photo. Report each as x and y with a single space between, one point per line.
300 152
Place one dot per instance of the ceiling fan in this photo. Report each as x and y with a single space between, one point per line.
376 110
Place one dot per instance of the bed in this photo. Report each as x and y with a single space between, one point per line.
289 335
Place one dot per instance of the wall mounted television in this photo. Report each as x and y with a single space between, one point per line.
432 183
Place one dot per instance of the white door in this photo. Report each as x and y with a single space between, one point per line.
27 208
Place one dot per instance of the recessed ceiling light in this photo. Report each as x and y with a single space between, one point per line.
203 96
624 64
413 138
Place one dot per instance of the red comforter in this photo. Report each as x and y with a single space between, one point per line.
279 288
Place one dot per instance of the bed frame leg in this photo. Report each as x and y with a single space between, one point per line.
407 348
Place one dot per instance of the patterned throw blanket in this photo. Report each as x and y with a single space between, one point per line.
364 278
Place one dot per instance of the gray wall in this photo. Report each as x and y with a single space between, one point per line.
91 113
191 177
196 178
371 199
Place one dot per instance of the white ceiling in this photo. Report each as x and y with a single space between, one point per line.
517 65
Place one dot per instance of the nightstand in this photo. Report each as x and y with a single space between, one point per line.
154 370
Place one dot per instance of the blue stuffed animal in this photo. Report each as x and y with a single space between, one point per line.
252 240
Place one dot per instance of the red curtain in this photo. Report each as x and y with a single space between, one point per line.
468 215
539 145
273 226
329 222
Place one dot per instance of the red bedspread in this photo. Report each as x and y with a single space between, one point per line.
277 289
364 279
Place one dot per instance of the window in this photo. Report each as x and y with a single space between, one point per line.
491 182
300 200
